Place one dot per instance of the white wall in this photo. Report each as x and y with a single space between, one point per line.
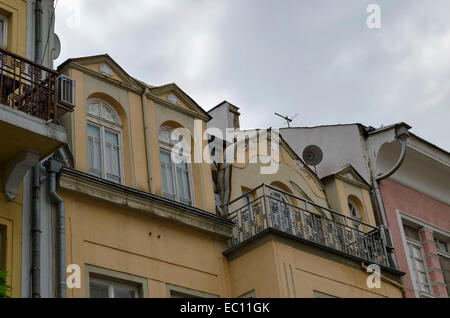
340 144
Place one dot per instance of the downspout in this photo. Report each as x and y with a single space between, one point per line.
53 168
401 134
36 213
37 32
147 140
36 235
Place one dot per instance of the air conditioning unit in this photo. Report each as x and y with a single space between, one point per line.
65 92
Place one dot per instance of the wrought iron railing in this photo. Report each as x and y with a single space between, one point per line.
268 207
27 86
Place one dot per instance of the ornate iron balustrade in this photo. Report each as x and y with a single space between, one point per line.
262 208
27 86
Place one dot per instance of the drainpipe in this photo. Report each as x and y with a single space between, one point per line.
36 212
37 32
147 139
53 168
36 235
401 134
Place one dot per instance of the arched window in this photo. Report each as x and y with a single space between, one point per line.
176 173
281 209
354 213
104 141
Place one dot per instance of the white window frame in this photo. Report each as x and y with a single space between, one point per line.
401 218
357 217
114 127
169 148
4 44
112 284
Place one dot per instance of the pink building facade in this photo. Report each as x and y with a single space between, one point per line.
419 227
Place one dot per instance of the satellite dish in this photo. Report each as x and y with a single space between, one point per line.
56 47
312 155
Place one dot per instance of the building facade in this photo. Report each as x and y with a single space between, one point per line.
409 182
29 127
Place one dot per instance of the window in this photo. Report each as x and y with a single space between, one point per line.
2 247
281 207
318 294
100 288
176 173
354 213
3 31
416 258
442 246
182 292
104 141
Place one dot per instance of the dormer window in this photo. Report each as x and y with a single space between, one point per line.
176 173
354 213
104 141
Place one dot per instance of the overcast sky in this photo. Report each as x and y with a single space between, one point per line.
317 59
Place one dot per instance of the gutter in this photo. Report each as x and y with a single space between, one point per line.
147 139
36 212
401 134
36 234
53 168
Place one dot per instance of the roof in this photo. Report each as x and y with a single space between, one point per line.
220 104
137 81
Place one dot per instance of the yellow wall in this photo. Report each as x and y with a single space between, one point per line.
112 238
16 13
11 217
279 268
128 103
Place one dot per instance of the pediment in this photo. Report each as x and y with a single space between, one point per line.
105 66
349 174
172 96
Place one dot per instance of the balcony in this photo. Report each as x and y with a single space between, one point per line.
28 128
27 86
267 207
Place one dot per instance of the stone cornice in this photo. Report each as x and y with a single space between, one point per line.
145 203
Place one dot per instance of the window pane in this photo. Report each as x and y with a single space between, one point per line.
98 290
2 31
120 292
109 115
411 233
94 150
94 131
94 109
111 137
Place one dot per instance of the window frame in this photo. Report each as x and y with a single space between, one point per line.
111 284
352 203
4 44
184 292
164 146
96 273
104 125
3 246
413 272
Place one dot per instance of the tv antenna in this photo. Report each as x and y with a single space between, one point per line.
287 119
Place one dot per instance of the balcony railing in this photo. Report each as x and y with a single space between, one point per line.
27 86
268 207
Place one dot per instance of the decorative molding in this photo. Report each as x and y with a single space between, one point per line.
105 69
15 170
145 203
173 99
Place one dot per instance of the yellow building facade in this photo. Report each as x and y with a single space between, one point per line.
139 224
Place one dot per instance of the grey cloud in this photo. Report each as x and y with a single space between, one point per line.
314 58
